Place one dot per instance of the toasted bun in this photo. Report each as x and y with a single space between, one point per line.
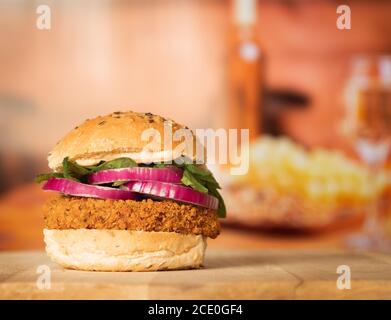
123 250
123 134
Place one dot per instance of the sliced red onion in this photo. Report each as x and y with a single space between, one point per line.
173 191
170 174
75 188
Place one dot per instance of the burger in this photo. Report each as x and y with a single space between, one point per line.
131 196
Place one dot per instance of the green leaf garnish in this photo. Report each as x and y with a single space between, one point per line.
95 167
159 165
197 170
222 210
203 174
189 180
201 179
46 176
117 164
72 170
118 183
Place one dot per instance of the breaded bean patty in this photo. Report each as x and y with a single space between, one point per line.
65 212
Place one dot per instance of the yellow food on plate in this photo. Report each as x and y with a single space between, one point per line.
287 185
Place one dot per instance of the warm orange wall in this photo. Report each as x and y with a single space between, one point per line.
169 57
306 51
164 57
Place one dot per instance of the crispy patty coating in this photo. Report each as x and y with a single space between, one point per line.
65 212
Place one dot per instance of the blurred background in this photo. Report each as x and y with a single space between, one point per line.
317 101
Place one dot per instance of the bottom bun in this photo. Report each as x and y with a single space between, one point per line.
123 250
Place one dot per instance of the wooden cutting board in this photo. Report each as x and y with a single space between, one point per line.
252 274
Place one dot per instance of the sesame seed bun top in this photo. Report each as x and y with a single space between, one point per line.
125 134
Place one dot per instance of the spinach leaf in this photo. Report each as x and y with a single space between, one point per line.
197 170
46 176
72 170
203 174
189 180
95 167
222 210
117 164
202 180
118 183
159 165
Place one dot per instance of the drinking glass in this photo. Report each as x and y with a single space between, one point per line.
368 123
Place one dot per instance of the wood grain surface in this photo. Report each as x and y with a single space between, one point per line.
250 274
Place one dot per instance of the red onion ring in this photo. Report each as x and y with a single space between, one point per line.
170 174
75 188
173 191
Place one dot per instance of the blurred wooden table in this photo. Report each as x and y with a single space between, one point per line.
21 225
228 274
